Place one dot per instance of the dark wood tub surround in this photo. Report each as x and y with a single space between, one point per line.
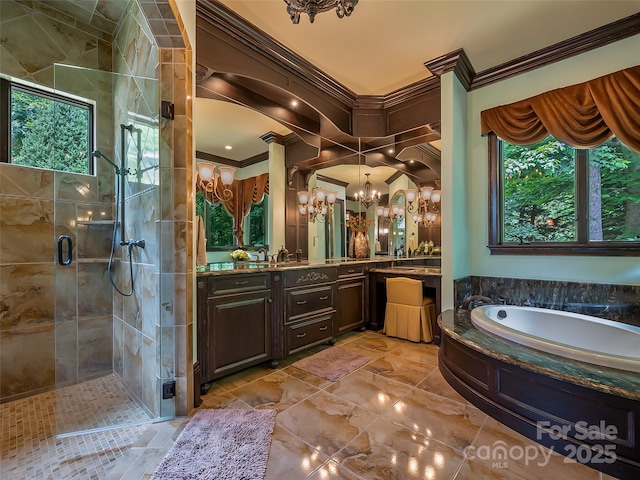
524 388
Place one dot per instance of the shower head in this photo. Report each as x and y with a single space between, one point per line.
99 154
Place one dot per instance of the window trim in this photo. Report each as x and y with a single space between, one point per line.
231 248
581 247
5 119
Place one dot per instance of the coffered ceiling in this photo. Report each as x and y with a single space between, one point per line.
383 46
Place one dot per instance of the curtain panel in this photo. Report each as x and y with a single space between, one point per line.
244 193
583 115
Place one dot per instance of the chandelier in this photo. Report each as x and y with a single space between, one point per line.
209 177
344 8
316 204
367 196
424 205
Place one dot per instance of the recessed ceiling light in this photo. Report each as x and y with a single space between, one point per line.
390 150
411 161
228 147
294 103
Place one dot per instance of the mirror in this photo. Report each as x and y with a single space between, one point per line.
396 226
344 171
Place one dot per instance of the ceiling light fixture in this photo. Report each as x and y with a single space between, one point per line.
228 147
367 196
344 8
209 178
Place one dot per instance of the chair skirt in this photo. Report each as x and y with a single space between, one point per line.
410 322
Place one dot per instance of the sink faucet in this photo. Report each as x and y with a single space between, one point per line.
265 254
474 301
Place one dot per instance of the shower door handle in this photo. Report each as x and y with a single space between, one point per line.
61 240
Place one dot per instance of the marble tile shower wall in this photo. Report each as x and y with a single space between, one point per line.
37 205
137 330
620 303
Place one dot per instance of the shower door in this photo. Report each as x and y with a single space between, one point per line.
113 352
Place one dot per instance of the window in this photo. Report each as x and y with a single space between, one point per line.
550 198
219 224
44 129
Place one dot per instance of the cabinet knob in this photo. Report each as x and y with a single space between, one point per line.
200 284
269 300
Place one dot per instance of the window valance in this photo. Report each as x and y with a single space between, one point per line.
583 115
245 193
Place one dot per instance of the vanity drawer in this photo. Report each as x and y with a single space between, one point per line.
351 270
305 333
307 300
226 284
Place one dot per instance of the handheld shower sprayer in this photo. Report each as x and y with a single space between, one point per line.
99 154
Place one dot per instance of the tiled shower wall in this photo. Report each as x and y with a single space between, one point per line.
33 38
152 330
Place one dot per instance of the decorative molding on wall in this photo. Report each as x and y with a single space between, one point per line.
456 61
333 181
261 157
272 137
599 37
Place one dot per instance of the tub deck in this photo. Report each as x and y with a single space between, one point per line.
601 378
538 393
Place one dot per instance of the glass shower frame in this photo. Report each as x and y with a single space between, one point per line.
113 353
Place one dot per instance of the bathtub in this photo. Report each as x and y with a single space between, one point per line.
572 335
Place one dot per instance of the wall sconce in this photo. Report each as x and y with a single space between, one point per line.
316 204
393 213
209 177
424 205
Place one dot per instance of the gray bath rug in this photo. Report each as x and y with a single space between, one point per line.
332 364
220 445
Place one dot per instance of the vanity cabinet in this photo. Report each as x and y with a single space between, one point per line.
309 307
234 323
350 295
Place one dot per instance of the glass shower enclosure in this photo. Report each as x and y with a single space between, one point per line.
112 354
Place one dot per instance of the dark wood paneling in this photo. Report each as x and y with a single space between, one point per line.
296 224
350 305
521 399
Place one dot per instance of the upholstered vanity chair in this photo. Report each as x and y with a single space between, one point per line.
408 314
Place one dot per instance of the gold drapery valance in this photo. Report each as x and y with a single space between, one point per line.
245 193
583 115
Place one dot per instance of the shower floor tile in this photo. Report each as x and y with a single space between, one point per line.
29 448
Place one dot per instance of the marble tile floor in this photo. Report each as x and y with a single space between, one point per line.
393 418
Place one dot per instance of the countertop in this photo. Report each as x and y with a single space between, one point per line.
609 380
223 268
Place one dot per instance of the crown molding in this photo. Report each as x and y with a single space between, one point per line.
585 42
333 181
456 61
209 157
251 36
266 46
272 137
